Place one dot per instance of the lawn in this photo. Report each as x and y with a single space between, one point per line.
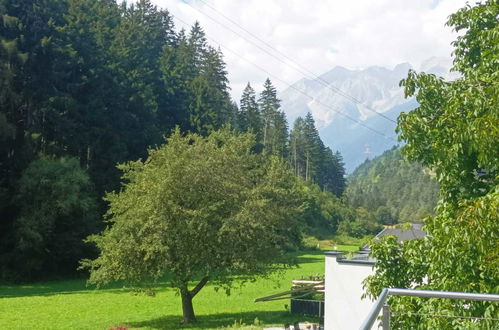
70 304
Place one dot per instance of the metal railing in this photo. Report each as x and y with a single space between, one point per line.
380 303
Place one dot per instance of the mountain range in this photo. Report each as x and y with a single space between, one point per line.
356 110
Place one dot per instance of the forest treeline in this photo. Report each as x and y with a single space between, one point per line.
395 189
86 85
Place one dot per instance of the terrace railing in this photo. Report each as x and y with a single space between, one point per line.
381 305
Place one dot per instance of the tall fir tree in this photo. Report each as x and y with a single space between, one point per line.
274 124
314 148
249 117
210 105
296 148
331 174
312 161
307 148
178 72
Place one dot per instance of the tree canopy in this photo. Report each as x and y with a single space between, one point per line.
454 131
202 209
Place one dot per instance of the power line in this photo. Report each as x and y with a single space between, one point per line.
299 68
291 86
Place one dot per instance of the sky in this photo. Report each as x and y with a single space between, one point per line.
316 34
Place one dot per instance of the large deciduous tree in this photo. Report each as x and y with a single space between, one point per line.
201 209
455 131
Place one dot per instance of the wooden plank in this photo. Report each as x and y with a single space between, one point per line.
307 282
318 286
302 289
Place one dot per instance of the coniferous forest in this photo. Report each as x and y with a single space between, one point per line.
86 85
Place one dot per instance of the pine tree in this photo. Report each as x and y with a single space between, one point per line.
177 74
87 77
331 175
314 148
249 118
210 106
312 161
297 148
137 47
280 137
307 148
198 45
219 101
274 125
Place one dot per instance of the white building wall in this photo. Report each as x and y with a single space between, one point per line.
344 308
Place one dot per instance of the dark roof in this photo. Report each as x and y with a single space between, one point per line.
402 233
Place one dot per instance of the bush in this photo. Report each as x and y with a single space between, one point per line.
310 243
384 216
57 211
364 224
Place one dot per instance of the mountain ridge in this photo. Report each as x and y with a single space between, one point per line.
368 91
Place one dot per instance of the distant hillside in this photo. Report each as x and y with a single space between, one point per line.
375 87
394 188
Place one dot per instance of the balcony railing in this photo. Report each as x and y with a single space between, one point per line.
380 304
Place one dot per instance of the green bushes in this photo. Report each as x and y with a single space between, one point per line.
57 211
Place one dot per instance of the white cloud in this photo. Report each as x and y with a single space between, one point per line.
320 34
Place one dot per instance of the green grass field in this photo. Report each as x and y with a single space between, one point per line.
71 305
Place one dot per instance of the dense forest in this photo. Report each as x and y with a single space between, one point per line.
395 189
86 85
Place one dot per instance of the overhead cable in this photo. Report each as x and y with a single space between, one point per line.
296 66
292 86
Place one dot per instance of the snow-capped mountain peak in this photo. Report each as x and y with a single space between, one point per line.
341 98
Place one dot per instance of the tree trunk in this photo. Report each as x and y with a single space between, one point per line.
187 308
306 169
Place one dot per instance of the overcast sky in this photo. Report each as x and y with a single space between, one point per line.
317 34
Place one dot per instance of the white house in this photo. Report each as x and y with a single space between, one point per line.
344 307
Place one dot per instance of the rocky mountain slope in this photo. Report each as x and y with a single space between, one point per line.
347 123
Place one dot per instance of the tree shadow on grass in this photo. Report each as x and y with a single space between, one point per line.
306 260
79 285
75 286
217 321
310 257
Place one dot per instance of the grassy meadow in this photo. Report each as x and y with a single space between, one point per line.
70 304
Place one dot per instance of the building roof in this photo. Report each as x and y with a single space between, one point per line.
402 232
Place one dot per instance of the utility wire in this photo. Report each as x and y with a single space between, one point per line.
296 66
291 86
